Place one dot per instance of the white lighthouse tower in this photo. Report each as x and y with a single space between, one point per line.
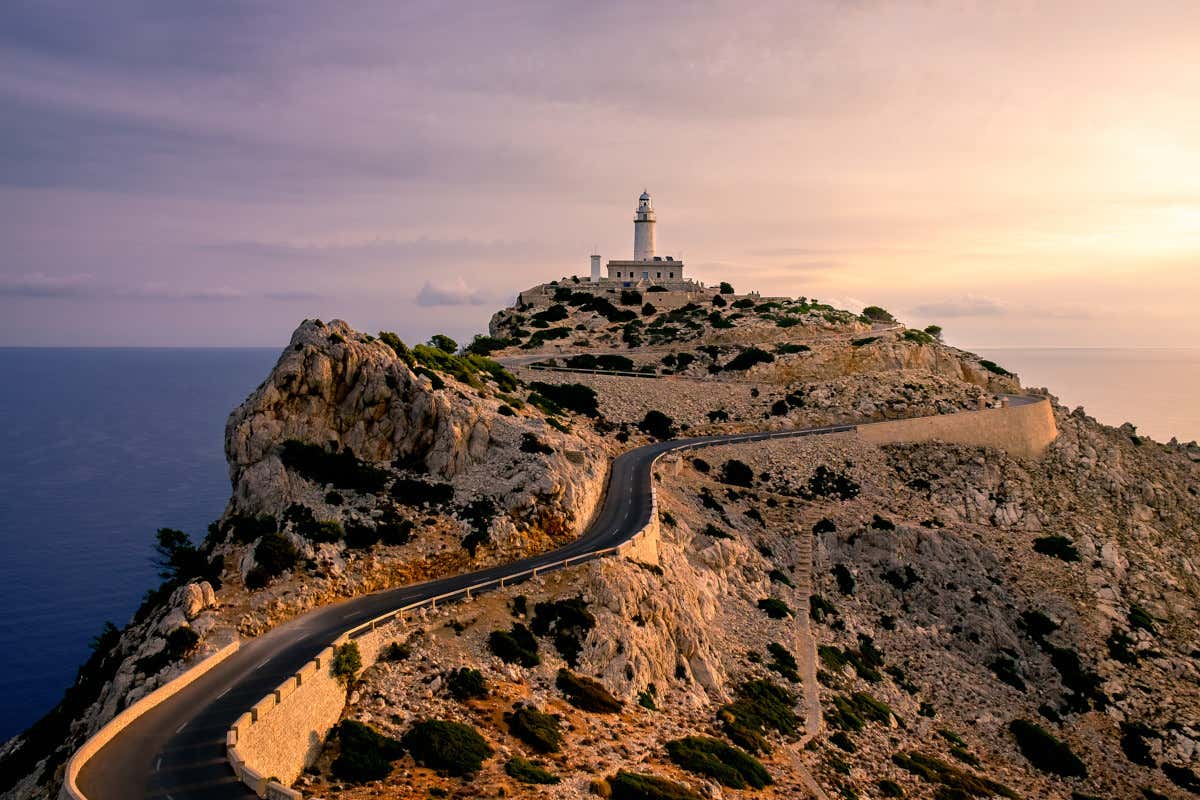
643 229
647 268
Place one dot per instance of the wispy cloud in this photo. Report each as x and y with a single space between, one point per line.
454 293
37 284
964 306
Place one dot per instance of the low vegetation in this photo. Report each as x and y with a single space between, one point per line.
449 747
541 731
347 661
761 706
728 765
585 693
515 646
365 753
466 683
525 771
1045 751
638 786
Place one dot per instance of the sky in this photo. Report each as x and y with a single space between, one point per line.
209 174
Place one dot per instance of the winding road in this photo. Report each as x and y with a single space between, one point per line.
176 751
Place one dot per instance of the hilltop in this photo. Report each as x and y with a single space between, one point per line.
963 621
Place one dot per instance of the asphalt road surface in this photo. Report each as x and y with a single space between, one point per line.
176 751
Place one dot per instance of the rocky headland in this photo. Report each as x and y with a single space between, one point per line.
826 618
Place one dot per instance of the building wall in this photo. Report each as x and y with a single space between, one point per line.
660 271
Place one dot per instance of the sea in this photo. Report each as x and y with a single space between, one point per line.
101 447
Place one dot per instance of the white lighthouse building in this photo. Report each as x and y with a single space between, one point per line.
646 267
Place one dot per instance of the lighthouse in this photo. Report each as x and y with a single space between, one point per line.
643 229
646 268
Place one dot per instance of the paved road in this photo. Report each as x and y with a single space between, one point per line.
177 750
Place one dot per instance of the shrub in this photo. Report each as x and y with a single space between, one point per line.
637 786
515 647
631 297
347 661
246 529
761 705
181 643
1183 777
569 621
920 337
1058 546
728 765
935 331
775 608
395 651
571 396
537 729
889 788
783 662
273 556
416 492
366 754
585 693
530 443
715 532
658 425
648 310
994 368
725 288
864 341
555 313
340 469
465 683
1044 751
779 576
824 482
737 473
486 345
819 608
525 771
445 746
845 580
444 343
719 302
882 523
747 359
700 465
1006 670
877 314
398 347
956 784
1140 618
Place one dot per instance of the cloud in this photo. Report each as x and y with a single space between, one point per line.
38 284
455 293
965 306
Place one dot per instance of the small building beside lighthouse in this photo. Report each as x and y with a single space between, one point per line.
646 266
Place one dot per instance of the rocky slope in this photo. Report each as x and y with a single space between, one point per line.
964 603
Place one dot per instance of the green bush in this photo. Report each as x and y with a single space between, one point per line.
449 747
465 683
398 347
525 771
658 425
956 783
395 651
779 576
1044 751
365 754
889 788
444 343
516 646
725 288
737 473
761 705
783 662
747 359
845 580
1058 546
486 345
585 693
569 621
728 765
935 331
341 469
537 729
994 368
246 529
638 786
181 643
416 492
825 482
347 661
864 341
273 556
570 396
775 608
920 337
877 314
1140 618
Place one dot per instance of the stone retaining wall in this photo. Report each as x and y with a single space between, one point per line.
70 791
1024 430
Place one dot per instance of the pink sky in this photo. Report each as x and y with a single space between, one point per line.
1019 172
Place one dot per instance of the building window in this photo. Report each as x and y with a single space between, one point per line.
672 274
618 273
658 274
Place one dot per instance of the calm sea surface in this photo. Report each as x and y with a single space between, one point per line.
100 447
